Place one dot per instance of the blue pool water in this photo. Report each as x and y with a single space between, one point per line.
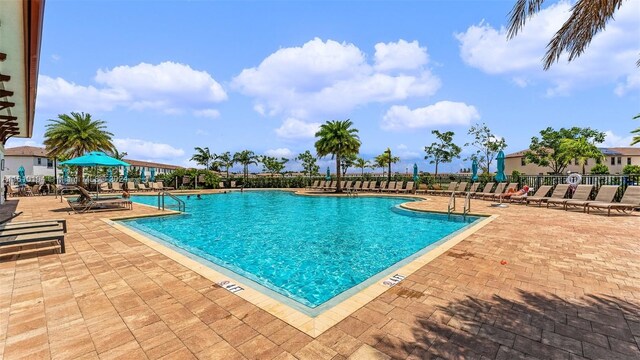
309 249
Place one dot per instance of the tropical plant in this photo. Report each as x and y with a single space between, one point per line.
273 165
546 150
348 161
308 161
246 158
487 145
636 138
338 139
443 151
588 17
203 156
631 170
362 164
581 150
385 160
70 136
599 169
225 160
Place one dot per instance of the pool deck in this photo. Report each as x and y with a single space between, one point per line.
534 282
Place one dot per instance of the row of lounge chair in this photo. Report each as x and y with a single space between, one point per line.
361 186
131 186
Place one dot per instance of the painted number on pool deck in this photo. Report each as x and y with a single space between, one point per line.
393 281
230 286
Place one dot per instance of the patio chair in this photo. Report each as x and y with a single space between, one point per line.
498 190
104 187
541 192
131 186
486 190
328 185
86 202
143 187
501 195
355 186
408 188
35 189
558 193
582 193
343 184
452 187
390 188
155 186
13 191
473 189
606 193
461 189
422 189
116 186
383 185
320 185
10 217
312 186
7 242
232 184
630 201
372 186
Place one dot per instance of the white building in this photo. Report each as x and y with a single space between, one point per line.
33 159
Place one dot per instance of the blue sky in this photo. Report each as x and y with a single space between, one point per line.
259 75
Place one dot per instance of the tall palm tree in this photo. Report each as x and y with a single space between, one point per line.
226 161
246 158
385 160
588 17
636 138
362 164
337 138
203 156
73 135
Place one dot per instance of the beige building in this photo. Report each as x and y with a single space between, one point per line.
614 158
147 166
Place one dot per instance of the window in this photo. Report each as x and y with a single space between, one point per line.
49 164
628 161
523 162
39 161
619 160
613 160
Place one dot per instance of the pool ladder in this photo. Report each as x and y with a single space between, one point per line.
182 207
466 208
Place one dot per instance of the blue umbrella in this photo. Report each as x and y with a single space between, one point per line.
143 177
474 169
95 158
109 175
22 179
415 173
153 175
328 177
125 177
65 176
500 176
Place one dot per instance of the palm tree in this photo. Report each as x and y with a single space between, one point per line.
70 136
203 156
337 138
636 138
362 164
385 159
246 158
226 161
120 156
588 17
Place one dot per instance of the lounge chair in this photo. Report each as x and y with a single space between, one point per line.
422 189
116 186
372 186
630 200
35 189
498 191
558 193
485 191
391 187
407 188
501 195
143 187
383 185
131 186
32 232
461 189
364 187
154 186
452 187
343 185
355 186
605 195
319 186
327 185
161 185
541 192
86 202
104 187
10 217
473 189
312 186
232 184
582 193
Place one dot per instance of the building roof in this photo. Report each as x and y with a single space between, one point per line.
151 164
25 151
612 151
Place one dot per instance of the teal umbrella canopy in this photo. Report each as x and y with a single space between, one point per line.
94 158
153 175
328 177
65 176
22 179
415 173
474 169
143 176
125 177
500 176
109 175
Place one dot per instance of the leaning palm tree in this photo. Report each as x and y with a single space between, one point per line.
588 17
337 138
246 158
202 156
73 135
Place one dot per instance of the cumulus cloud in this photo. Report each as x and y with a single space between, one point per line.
296 129
441 113
168 87
613 140
210 113
280 153
328 77
610 57
146 150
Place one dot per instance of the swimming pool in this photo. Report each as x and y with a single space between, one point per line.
311 250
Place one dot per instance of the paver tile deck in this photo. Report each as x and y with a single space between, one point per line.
534 283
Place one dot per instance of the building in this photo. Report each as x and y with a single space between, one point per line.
147 166
20 38
615 158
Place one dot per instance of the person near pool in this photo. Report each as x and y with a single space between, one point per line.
513 192
199 197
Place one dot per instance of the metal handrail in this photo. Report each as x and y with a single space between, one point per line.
182 206
467 205
452 203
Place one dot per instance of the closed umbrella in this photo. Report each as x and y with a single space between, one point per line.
22 180
153 175
109 175
474 169
500 176
125 176
415 173
328 177
143 177
65 176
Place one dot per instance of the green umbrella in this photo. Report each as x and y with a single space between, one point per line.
153 175
474 169
500 177
328 177
125 176
143 177
22 179
65 176
94 158
109 175
415 173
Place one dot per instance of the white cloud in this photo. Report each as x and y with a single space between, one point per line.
327 77
169 87
55 57
401 55
15 142
210 113
632 82
202 132
613 140
402 147
440 113
280 153
296 129
141 149
610 58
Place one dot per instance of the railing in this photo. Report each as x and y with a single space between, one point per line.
452 204
467 205
182 206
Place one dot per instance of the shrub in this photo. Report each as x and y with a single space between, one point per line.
599 169
631 170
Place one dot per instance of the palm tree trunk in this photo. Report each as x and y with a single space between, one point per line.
436 168
80 175
338 188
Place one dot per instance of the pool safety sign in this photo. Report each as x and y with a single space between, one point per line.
393 281
228 285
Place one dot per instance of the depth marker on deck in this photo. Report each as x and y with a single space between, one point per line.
393 281
229 286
